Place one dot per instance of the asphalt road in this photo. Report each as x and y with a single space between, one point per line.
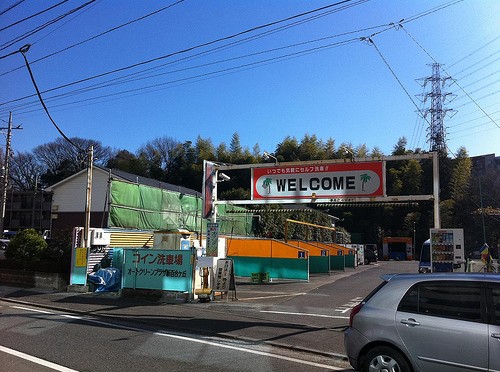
273 326
52 340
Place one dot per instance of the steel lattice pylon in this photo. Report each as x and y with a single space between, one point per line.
436 133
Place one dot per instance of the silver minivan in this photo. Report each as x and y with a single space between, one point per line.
427 322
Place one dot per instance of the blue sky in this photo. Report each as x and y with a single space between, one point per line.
316 77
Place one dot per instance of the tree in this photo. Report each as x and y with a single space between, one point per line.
376 152
310 148
128 162
160 153
256 151
361 151
461 176
235 149
26 247
222 153
400 147
411 176
25 171
329 149
61 159
204 150
288 150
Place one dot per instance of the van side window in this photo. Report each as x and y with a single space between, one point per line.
452 299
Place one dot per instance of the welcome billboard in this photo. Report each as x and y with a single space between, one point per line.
323 181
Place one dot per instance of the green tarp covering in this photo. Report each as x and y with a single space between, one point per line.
136 206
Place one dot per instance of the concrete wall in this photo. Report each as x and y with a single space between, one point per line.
33 279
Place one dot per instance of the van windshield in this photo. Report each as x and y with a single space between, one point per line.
425 255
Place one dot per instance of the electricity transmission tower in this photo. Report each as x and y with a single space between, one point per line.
436 132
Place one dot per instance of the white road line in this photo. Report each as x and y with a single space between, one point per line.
36 360
276 296
305 314
34 310
178 337
237 348
82 318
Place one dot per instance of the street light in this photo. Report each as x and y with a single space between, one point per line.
268 156
348 151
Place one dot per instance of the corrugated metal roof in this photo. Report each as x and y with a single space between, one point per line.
133 178
151 182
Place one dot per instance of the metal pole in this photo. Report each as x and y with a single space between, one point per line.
214 196
435 177
414 242
482 210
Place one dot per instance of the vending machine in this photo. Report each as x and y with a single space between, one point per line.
447 250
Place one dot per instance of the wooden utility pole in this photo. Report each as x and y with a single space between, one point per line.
88 201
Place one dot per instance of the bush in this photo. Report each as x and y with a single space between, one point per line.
26 248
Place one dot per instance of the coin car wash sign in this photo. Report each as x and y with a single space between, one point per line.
323 181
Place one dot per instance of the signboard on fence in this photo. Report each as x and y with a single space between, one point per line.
325 181
168 270
81 257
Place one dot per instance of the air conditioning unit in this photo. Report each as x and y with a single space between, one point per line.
99 237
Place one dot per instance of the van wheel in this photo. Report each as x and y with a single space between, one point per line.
384 359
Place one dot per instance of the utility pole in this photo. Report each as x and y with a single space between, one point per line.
88 201
5 173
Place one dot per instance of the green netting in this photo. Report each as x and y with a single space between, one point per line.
150 208
121 194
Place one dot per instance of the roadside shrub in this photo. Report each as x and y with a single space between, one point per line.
26 247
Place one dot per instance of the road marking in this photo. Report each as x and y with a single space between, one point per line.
163 334
250 351
34 310
36 360
348 307
275 296
305 314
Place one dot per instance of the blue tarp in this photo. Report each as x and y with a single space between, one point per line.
106 280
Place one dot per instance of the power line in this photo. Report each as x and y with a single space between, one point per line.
370 41
97 36
211 73
202 76
138 76
183 51
387 27
45 25
461 88
474 52
11 7
23 51
33 15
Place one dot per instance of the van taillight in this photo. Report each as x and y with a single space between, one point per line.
354 311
